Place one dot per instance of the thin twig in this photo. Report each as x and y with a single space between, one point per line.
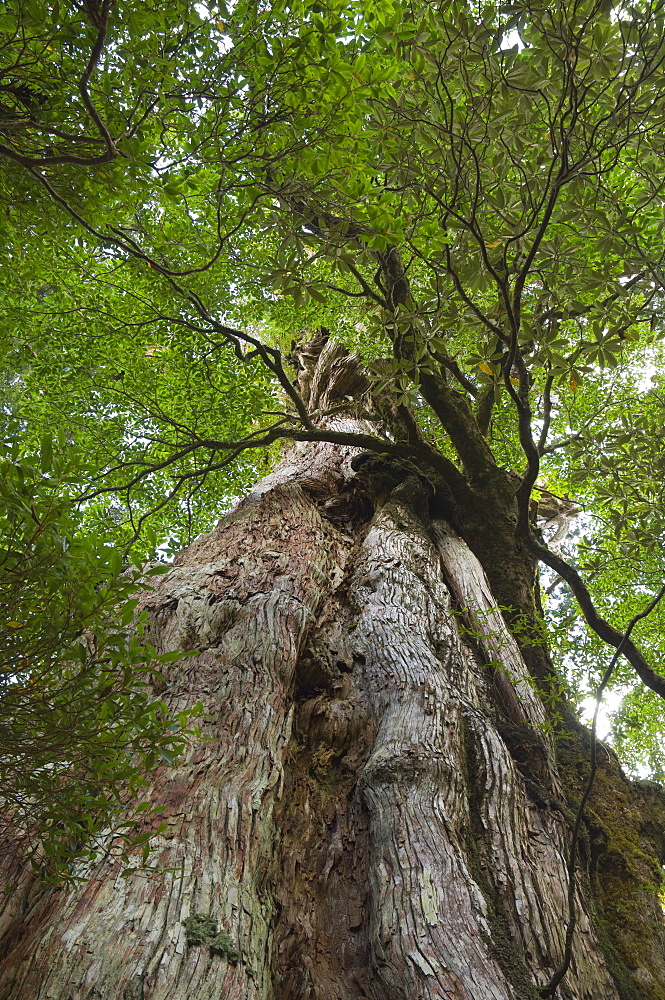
602 628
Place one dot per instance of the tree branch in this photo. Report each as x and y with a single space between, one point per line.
72 158
603 629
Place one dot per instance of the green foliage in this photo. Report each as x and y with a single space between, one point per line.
261 164
199 928
126 380
80 727
222 944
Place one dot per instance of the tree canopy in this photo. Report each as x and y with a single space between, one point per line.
469 196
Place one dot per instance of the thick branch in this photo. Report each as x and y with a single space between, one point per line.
458 420
451 407
110 148
596 623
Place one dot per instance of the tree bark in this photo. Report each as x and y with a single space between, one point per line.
379 807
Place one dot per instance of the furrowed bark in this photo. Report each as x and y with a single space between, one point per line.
244 598
466 894
378 809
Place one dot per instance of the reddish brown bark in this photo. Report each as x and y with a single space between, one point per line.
377 809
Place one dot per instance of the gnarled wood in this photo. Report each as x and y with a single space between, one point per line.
376 809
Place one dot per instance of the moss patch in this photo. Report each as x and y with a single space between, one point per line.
622 849
222 945
199 928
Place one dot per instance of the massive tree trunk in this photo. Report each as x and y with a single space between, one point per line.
380 808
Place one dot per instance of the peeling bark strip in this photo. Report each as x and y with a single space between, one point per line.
465 892
376 810
244 596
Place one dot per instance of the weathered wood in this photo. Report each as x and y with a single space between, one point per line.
243 597
375 810
465 892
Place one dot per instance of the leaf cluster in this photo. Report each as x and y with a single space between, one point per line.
472 198
80 726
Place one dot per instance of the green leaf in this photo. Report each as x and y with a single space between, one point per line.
46 452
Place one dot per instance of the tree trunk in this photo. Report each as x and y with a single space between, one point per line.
378 809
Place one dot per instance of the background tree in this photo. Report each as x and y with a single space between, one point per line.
472 204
